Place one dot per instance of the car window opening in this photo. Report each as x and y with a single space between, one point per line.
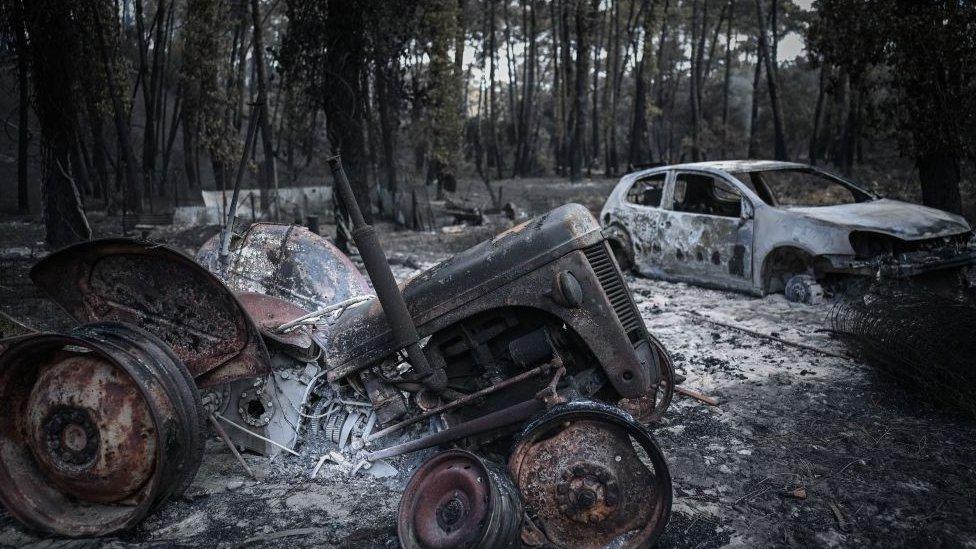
648 191
705 194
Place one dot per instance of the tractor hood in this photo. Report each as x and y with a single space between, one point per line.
891 217
363 333
164 292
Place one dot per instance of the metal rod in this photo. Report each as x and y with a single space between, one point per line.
461 401
257 436
231 213
233 449
754 333
394 307
324 311
506 416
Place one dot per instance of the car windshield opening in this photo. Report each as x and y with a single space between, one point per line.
801 187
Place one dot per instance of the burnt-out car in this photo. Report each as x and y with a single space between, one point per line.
532 350
764 227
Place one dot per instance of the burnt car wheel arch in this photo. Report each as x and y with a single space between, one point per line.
622 246
781 264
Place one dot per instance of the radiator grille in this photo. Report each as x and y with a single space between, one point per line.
613 285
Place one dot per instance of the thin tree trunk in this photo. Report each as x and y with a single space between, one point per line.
23 111
494 152
267 133
659 84
134 198
781 151
818 116
584 19
727 80
594 145
385 99
523 163
610 95
754 113
638 128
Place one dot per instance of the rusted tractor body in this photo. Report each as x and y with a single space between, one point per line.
284 339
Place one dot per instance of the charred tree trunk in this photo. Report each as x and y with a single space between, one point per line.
610 94
523 164
727 80
754 112
23 108
638 128
388 114
52 28
781 152
939 174
818 117
134 198
270 172
445 95
584 17
342 106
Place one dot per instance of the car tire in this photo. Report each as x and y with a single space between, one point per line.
804 289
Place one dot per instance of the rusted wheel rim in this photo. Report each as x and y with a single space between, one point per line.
457 500
665 389
101 428
591 476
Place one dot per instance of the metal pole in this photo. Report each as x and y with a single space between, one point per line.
378 268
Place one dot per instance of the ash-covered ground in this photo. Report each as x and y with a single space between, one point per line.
806 448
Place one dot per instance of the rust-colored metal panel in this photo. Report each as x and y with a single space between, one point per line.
164 292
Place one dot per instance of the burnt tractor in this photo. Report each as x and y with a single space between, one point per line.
524 356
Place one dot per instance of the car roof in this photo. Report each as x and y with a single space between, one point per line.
735 165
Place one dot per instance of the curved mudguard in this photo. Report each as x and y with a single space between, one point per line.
164 292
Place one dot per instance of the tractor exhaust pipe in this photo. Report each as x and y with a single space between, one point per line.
378 269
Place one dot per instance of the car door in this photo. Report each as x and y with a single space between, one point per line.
707 231
642 203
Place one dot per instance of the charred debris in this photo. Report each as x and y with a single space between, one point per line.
525 354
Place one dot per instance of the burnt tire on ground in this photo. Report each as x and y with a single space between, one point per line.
591 476
456 499
804 288
103 425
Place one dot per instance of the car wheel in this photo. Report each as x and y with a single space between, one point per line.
804 289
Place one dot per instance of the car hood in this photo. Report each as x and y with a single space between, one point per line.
892 217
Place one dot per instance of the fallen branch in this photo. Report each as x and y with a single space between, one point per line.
711 401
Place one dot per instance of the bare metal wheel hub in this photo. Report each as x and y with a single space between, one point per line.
590 477
587 493
71 438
